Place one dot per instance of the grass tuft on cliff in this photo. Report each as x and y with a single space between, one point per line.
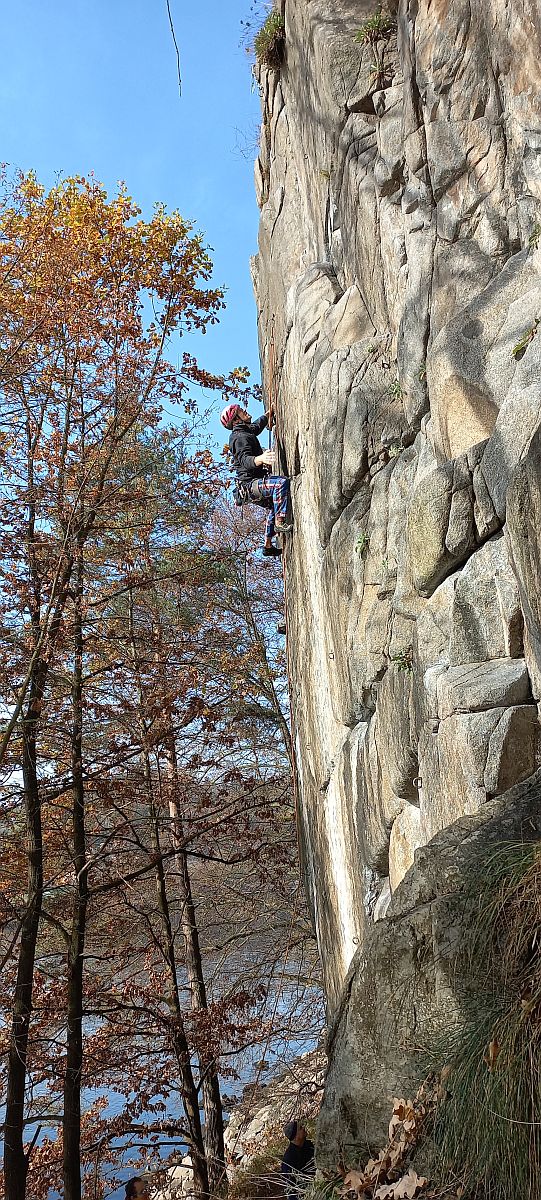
488 1130
269 42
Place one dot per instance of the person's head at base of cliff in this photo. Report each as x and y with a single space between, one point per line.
298 1166
295 1132
136 1189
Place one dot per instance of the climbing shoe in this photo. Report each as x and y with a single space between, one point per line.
286 527
271 552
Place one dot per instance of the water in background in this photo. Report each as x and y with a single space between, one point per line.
247 1070
248 1065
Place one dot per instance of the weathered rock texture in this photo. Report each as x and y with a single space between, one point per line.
413 977
399 278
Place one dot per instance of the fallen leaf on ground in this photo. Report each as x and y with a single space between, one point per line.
354 1182
405 1189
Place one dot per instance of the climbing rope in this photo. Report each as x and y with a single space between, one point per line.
271 400
272 395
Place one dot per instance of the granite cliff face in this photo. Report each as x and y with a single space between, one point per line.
398 284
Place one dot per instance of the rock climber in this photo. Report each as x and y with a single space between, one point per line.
298 1166
252 465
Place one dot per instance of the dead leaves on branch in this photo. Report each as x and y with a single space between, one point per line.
410 1185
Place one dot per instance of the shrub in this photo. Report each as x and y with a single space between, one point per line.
269 42
404 659
375 28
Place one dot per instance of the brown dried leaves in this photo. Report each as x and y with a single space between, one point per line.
386 1177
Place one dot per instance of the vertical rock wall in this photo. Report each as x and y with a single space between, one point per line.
399 280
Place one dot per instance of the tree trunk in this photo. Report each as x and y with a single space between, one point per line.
71 1121
190 1095
212 1100
15 1159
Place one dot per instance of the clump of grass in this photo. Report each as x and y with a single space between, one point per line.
375 29
260 1178
324 1189
519 350
362 543
269 42
488 1130
404 659
394 391
533 240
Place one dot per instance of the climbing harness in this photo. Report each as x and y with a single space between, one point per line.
250 493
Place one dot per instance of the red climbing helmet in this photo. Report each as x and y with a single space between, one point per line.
228 415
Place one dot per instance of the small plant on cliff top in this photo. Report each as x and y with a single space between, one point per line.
269 42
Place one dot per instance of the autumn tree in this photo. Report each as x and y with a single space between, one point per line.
180 646
146 746
90 297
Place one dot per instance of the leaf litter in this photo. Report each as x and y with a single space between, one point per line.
390 1176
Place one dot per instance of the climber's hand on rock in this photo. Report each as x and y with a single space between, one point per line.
264 460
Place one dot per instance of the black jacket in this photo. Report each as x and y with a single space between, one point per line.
244 447
298 1163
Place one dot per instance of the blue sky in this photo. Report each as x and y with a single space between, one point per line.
91 85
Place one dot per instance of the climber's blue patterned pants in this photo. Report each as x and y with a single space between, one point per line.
274 489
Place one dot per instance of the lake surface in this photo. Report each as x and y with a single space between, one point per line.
247 1067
